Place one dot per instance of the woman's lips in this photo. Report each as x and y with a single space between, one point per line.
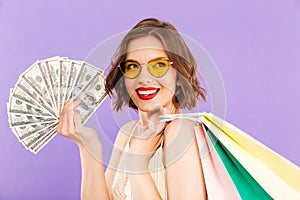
147 93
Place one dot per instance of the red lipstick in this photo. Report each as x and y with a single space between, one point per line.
147 93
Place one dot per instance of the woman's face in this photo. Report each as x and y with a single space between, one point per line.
147 91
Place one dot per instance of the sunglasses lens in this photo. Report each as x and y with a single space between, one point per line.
159 67
130 69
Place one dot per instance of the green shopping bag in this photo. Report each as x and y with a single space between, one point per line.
256 171
277 176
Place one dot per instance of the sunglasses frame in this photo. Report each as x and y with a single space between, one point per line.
147 64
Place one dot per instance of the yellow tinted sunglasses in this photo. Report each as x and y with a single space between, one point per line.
157 67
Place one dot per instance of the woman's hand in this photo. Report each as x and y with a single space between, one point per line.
66 125
70 126
147 137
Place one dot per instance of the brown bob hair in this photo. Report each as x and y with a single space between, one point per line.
188 88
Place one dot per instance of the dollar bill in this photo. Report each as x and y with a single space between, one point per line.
91 96
25 86
86 74
34 77
74 72
26 119
18 106
24 97
27 131
33 140
35 148
64 68
39 95
20 94
43 68
53 70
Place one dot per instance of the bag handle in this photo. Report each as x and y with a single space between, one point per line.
192 116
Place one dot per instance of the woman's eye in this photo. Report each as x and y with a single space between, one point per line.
132 66
158 65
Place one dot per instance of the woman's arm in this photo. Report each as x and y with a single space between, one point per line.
93 185
183 164
119 145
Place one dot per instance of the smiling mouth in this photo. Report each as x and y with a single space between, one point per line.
147 93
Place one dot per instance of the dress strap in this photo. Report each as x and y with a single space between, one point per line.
131 133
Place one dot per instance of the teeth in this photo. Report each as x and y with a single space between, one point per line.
147 92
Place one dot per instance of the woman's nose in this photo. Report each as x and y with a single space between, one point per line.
145 76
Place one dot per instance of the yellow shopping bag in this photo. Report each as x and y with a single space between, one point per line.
276 175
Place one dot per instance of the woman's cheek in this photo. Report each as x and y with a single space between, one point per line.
129 85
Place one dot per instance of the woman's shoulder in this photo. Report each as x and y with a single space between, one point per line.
181 124
127 128
179 128
124 134
187 123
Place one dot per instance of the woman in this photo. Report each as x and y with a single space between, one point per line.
153 72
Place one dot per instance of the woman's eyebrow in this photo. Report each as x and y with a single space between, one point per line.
132 60
152 59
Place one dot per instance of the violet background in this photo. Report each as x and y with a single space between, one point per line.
256 46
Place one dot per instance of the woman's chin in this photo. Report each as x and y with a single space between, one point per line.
149 107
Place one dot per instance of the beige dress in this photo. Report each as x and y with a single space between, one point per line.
121 189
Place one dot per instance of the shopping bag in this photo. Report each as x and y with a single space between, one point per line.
218 182
246 185
256 171
277 177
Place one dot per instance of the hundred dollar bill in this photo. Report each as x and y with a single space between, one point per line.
86 74
25 119
20 94
43 68
23 85
35 148
24 97
30 142
74 72
64 68
34 77
16 105
91 96
53 70
26 131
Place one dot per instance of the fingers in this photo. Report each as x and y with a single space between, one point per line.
78 122
66 125
71 104
59 126
70 125
70 122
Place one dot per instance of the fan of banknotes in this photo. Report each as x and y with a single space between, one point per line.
39 95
